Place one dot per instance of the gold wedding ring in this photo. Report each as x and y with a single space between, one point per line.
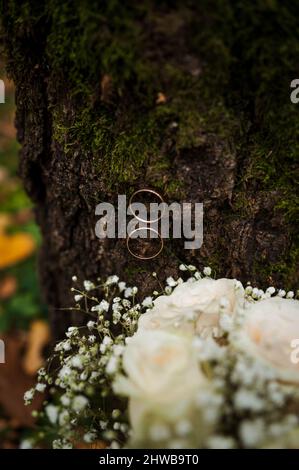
151 191
136 255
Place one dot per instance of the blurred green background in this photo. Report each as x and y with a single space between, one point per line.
23 324
20 301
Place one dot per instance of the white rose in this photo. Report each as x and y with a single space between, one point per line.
267 333
194 306
163 380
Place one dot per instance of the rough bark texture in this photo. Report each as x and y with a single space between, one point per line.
87 78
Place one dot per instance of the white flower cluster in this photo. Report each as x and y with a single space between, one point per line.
205 363
88 359
207 353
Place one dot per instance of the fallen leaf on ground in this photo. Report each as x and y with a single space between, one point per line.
15 248
38 337
8 129
93 445
5 221
14 382
8 287
3 174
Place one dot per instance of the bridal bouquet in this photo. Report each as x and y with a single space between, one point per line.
203 363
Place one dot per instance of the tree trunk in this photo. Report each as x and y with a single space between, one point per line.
190 98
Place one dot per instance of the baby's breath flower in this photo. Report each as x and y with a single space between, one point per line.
207 271
255 293
191 267
147 302
26 444
221 442
116 307
58 346
107 340
290 295
248 290
171 282
28 396
64 372
103 306
252 432
112 280
248 400
65 400
63 418
121 286
90 437
67 345
114 445
40 387
128 292
79 403
183 267
91 325
88 285
94 375
72 331
77 362
61 444
112 365
116 414
52 413
41 372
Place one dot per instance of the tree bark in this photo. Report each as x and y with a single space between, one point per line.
188 98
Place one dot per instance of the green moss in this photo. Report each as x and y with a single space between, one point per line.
285 270
123 147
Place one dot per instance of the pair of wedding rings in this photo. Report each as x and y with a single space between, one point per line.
147 226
